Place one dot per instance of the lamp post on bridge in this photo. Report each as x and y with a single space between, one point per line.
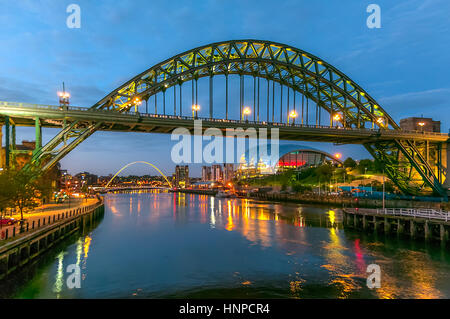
421 124
337 118
137 101
245 113
64 98
381 121
292 115
195 109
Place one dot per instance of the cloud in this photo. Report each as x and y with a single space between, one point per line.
20 90
430 103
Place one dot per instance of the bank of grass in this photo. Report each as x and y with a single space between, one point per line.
309 178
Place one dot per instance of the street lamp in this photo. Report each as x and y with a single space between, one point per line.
246 112
195 109
380 121
64 98
136 101
421 124
337 118
292 115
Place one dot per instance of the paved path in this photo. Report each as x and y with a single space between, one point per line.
44 212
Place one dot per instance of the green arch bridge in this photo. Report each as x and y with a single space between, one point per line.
287 88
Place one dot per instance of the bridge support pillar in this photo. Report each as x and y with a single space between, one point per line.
38 131
355 220
412 228
364 222
7 141
387 225
375 225
443 233
445 154
400 227
427 230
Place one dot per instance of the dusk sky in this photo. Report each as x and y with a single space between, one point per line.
404 65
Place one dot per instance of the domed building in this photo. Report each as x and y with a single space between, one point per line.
290 156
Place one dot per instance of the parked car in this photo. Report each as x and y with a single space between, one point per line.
7 221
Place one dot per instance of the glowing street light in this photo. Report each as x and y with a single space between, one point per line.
195 109
64 98
292 115
421 124
64 94
337 118
246 112
136 101
338 155
380 121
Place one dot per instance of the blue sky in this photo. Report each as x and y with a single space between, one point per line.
404 65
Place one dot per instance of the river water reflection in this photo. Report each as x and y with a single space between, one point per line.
157 244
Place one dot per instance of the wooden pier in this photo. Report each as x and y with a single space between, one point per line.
426 224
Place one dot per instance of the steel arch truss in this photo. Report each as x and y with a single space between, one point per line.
297 69
406 167
305 73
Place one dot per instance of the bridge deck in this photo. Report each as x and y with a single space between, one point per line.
23 114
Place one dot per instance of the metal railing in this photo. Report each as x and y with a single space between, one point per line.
8 232
416 213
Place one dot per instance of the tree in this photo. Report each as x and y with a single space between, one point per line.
349 163
85 189
5 190
378 167
324 172
365 165
300 188
23 189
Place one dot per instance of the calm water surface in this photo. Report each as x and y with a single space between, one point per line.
156 244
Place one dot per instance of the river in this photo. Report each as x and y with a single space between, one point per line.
173 245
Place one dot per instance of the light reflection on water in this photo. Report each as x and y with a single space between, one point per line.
153 244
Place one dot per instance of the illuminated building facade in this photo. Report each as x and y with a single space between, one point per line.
216 173
228 172
293 157
181 176
206 173
304 158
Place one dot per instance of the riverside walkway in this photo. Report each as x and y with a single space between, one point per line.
42 216
17 250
